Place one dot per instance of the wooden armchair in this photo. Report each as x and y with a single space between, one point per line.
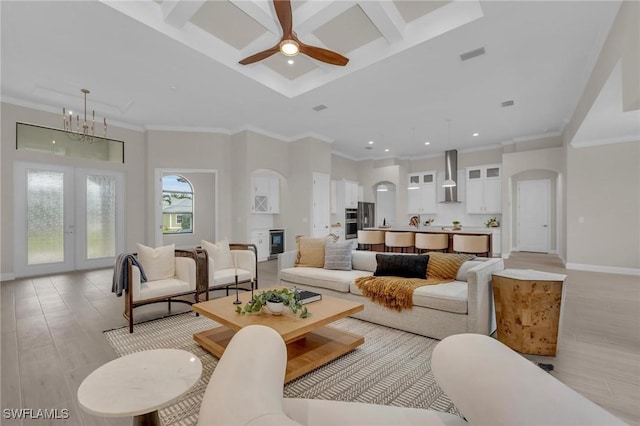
170 289
245 265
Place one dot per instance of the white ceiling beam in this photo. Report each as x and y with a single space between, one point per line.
262 12
178 12
314 14
386 18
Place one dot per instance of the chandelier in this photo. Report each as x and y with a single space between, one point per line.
84 132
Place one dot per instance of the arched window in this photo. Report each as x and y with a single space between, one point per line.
177 205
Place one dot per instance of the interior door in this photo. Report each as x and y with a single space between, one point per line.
66 218
533 215
321 215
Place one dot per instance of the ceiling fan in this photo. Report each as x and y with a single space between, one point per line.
289 44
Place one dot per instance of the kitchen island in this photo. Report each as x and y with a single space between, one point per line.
438 229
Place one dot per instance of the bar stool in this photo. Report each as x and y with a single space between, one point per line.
401 240
474 244
370 238
431 242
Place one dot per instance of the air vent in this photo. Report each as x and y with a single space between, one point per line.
507 104
472 54
368 147
319 107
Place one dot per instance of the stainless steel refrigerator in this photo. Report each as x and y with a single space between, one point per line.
366 215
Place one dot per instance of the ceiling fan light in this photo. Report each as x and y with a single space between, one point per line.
449 183
382 188
289 47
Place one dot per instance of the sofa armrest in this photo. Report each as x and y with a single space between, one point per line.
246 385
480 296
186 271
286 260
498 386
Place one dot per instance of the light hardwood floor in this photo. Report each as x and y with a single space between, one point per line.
52 337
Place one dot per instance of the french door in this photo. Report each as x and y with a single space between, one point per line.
66 218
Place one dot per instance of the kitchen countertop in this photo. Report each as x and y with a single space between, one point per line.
438 229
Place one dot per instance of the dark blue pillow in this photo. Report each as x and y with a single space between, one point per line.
397 265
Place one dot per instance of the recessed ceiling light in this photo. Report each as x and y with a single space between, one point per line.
291 61
370 142
386 150
476 134
427 143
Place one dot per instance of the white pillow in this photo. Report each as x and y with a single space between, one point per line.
220 253
158 263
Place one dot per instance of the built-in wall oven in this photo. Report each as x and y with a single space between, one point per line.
350 224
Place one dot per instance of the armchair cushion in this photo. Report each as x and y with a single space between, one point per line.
219 252
184 281
157 263
245 268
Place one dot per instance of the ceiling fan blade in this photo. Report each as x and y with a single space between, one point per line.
323 55
260 56
285 16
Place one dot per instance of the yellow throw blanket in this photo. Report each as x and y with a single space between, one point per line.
397 292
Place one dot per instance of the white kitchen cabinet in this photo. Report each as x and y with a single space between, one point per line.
261 240
265 194
421 193
347 195
484 189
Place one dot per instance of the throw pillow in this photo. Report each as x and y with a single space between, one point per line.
338 256
310 251
157 263
220 253
397 265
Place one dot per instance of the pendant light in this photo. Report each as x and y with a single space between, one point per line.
448 183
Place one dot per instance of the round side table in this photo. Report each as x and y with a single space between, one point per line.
139 384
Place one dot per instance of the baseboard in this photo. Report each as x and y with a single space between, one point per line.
505 255
7 277
602 268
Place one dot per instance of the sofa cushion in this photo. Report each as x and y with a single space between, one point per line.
391 265
220 253
449 297
337 255
228 276
157 263
322 278
363 260
161 288
310 251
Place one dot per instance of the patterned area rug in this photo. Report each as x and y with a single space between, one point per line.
391 368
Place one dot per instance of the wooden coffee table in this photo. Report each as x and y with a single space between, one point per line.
310 343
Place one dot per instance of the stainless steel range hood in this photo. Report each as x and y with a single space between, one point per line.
451 172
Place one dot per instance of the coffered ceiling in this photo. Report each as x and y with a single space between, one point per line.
174 65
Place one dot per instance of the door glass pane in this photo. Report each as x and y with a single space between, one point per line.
493 172
45 217
101 216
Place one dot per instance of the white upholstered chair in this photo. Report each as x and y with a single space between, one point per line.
179 280
368 238
488 382
402 240
473 244
223 264
431 242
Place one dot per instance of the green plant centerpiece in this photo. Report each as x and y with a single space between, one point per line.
456 225
288 298
492 222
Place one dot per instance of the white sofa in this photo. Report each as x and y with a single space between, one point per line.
495 386
463 306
